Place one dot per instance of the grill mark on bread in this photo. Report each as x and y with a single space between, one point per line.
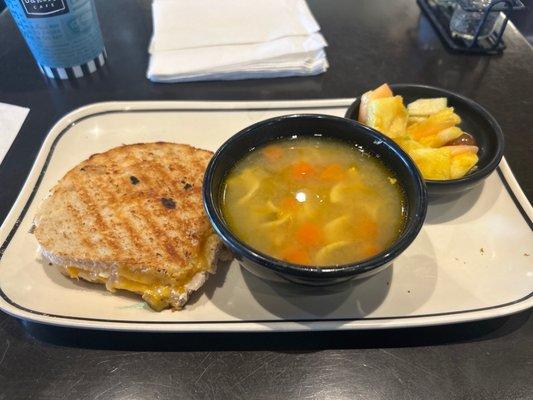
139 210
78 222
165 177
124 223
168 180
181 177
172 184
166 243
100 223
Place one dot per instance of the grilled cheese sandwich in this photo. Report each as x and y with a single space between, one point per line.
132 219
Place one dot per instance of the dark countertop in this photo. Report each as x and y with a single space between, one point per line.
370 42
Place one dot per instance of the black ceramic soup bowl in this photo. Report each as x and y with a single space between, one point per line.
373 142
474 119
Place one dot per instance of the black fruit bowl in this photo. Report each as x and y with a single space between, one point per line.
475 120
312 125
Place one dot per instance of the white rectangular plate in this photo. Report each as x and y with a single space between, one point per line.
470 261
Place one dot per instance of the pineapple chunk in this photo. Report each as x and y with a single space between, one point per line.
413 120
442 137
434 124
433 163
408 145
388 115
462 164
423 107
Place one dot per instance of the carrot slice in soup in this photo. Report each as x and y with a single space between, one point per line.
296 255
310 234
301 169
332 172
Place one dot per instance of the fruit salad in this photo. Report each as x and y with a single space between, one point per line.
427 129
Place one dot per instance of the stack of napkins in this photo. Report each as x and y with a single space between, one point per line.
197 40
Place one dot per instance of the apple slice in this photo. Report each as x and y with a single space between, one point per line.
379 93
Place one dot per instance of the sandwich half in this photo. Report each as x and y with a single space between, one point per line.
132 218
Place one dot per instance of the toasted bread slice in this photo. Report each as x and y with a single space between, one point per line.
132 218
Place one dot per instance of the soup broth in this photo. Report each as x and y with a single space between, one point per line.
313 201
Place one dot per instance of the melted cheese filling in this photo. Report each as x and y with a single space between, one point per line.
159 291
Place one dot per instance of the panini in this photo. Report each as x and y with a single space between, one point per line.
132 218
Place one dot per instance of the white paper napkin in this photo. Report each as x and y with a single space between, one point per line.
234 39
183 24
300 54
11 119
313 63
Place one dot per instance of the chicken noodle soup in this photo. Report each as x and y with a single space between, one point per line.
313 201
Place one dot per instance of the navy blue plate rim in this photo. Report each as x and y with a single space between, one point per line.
411 229
476 175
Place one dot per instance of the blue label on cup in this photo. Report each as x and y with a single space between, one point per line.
59 33
43 8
